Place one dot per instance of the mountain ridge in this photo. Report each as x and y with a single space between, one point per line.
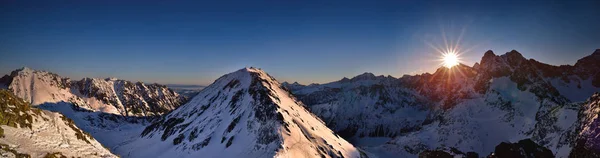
108 95
462 109
244 113
441 105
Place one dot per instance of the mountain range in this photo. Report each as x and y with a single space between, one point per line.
108 95
502 104
503 98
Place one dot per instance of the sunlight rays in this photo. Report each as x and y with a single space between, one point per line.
450 51
450 59
450 55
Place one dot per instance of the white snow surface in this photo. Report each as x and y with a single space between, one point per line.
505 99
109 129
102 95
242 114
50 132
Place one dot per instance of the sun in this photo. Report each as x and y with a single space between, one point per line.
450 53
450 59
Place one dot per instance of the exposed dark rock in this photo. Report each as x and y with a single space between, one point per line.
435 154
523 149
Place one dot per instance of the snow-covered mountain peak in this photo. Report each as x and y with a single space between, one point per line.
463 106
245 113
25 69
104 95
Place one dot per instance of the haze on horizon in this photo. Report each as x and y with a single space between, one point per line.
308 42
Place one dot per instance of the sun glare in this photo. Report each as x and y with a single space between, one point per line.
450 59
449 53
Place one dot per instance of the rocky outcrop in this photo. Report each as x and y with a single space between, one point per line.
586 141
106 95
523 149
30 132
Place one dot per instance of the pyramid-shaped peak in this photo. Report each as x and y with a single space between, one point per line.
244 77
245 113
246 72
251 69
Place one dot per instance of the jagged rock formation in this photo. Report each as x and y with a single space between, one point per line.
112 111
366 105
30 132
504 97
586 141
523 149
242 114
105 95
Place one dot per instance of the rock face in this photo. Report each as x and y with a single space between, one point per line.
104 95
27 131
523 149
503 97
366 105
587 129
246 113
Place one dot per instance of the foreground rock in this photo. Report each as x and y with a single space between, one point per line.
31 132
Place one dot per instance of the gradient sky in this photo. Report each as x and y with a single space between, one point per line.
304 41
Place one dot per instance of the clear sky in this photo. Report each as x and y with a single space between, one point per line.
178 42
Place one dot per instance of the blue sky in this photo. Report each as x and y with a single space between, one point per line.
183 42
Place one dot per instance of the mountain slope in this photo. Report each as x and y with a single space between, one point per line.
242 114
366 105
111 110
38 133
504 98
104 95
586 141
